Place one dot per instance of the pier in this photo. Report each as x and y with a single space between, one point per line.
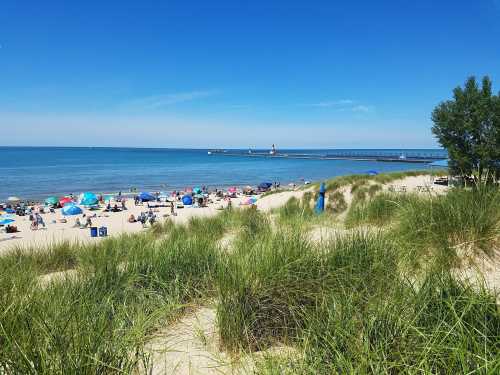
362 155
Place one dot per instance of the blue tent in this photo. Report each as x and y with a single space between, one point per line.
187 200
88 199
440 163
265 185
71 209
146 197
320 204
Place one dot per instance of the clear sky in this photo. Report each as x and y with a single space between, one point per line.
237 73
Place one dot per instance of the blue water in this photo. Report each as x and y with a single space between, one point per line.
37 172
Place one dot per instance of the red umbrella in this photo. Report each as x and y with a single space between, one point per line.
65 200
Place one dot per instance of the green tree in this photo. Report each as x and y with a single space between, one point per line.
469 128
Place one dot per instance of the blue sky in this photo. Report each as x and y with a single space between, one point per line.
237 74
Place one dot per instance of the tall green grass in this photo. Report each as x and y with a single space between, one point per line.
350 305
447 224
380 210
98 321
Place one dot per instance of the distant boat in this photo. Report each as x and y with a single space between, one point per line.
402 156
209 152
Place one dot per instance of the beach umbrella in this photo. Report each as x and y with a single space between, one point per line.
10 211
6 216
13 199
188 190
232 189
65 200
88 199
187 200
52 201
265 186
71 209
6 221
146 197
197 190
108 198
249 201
320 204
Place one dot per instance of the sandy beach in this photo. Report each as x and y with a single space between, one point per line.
116 222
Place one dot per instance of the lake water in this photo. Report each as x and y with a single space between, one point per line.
36 172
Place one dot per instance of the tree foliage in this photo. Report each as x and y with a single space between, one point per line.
469 128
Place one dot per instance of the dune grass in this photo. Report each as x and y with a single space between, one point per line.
382 178
350 305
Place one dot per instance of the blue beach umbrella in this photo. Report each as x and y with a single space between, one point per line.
263 186
187 200
88 199
320 204
71 209
197 190
146 197
6 221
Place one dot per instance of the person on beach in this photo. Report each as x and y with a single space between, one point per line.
131 218
39 220
88 223
123 205
172 209
78 223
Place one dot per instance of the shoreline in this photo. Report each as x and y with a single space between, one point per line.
117 223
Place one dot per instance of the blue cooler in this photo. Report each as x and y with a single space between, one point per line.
93 232
103 231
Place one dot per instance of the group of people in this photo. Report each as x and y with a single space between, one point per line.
78 223
115 208
143 218
36 221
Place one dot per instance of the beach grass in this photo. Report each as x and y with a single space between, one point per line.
352 304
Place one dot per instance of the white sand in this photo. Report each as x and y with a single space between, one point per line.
117 223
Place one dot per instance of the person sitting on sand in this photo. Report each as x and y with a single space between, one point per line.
152 219
78 223
123 205
39 220
88 223
131 219
115 208
11 229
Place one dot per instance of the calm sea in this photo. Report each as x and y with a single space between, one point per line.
36 172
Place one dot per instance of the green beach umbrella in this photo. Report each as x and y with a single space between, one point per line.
52 201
